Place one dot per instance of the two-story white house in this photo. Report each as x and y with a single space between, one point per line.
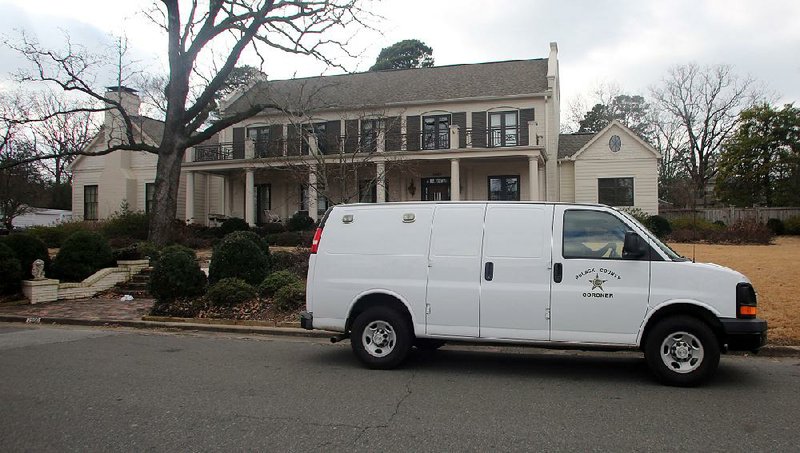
486 131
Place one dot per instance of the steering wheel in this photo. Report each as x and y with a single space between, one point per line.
610 246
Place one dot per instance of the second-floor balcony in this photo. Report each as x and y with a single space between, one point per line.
453 138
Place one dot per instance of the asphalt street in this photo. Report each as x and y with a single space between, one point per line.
92 389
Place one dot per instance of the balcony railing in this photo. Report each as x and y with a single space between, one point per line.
219 151
493 137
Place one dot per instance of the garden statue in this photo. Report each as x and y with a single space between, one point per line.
38 270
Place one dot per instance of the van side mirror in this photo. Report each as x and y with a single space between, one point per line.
634 246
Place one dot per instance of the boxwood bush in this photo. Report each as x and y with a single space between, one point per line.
792 225
776 226
81 255
131 225
27 250
659 225
177 275
239 256
229 292
10 271
233 224
300 221
290 297
276 281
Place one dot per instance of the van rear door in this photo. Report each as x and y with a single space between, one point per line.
515 282
454 266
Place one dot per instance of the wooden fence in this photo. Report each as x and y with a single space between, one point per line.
730 215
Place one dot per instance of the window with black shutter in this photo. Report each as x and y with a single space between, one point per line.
90 203
436 132
149 193
503 129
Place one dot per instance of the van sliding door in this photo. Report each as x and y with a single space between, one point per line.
454 263
515 284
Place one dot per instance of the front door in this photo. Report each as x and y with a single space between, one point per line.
515 282
597 296
436 189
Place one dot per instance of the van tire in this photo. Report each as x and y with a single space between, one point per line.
682 351
381 338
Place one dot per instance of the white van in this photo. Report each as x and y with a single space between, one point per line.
396 275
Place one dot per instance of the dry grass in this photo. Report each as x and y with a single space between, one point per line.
775 274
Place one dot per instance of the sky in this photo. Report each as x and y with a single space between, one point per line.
629 43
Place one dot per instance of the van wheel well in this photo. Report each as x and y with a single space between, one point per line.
378 300
684 309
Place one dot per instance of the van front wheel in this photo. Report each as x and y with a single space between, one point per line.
381 338
682 351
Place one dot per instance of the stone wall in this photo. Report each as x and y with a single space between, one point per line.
49 290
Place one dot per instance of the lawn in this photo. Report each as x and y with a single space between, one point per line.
774 271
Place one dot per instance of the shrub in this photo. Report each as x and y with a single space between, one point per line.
238 256
27 249
10 270
230 291
747 232
659 225
54 236
233 224
275 281
291 239
636 213
176 275
126 225
300 221
700 224
792 225
776 226
295 262
81 255
720 224
290 297
270 228
148 250
252 237
126 253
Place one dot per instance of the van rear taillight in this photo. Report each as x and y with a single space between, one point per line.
315 241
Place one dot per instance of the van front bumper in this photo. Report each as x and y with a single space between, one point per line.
744 334
307 320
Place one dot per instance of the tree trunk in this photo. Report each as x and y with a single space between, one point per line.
165 195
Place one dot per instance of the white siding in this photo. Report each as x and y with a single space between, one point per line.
567 181
633 160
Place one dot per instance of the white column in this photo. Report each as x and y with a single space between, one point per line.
454 137
249 197
542 185
223 205
312 192
380 182
455 180
189 196
533 176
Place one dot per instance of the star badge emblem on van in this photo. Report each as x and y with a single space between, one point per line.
597 282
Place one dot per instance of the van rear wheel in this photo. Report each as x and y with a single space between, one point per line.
682 351
381 338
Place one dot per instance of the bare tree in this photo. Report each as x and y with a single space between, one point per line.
65 133
193 30
699 107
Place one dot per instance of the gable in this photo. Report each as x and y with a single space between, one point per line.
630 146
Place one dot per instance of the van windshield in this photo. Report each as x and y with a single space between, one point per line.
672 254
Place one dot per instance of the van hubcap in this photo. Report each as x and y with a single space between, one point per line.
379 338
682 352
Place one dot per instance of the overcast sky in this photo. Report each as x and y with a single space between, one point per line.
630 43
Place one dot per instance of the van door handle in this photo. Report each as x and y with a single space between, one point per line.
488 271
558 272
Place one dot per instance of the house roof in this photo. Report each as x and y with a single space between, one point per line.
405 86
569 144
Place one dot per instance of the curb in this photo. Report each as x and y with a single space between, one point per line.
183 324
258 330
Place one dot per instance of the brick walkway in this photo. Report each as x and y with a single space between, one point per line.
100 308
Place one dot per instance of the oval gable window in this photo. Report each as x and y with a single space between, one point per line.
614 143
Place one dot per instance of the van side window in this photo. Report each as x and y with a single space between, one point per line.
593 235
